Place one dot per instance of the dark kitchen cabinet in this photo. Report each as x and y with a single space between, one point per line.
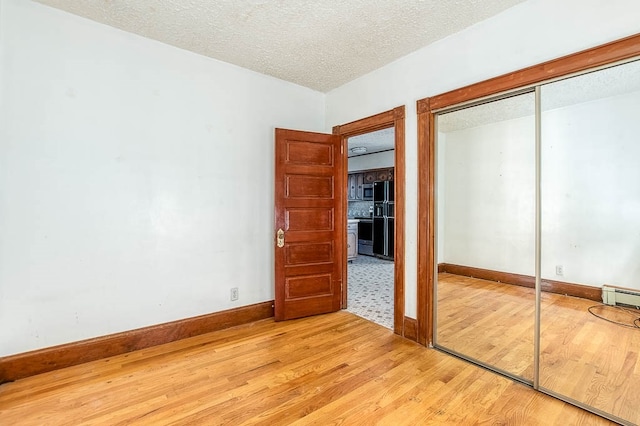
377 175
370 176
351 187
359 186
357 180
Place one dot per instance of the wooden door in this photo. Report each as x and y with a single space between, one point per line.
310 219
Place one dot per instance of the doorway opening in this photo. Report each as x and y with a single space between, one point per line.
370 229
388 125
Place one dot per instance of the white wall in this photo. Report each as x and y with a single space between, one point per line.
488 217
524 35
136 185
371 161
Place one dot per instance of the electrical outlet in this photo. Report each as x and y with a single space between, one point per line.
559 270
234 293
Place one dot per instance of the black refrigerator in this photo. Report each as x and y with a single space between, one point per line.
383 211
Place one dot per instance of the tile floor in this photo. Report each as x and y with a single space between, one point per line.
370 289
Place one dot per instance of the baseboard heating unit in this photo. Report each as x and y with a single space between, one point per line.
620 296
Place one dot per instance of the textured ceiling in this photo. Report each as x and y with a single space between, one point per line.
320 44
381 140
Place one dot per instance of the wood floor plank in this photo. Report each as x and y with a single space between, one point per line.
330 369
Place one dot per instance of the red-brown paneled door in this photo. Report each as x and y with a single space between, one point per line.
308 235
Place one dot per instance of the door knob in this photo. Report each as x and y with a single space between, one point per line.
280 237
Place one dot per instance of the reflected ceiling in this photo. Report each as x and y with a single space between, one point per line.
588 87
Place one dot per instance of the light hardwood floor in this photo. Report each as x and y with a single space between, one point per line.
331 369
583 357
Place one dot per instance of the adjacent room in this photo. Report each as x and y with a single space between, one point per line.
257 212
370 231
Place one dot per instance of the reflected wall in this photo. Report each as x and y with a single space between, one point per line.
485 204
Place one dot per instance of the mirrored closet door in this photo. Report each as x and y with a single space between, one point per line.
538 237
590 186
486 234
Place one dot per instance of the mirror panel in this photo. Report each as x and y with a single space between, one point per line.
486 234
590 183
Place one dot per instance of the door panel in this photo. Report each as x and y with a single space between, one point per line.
308 253
301 152
309 188
309 219
311 285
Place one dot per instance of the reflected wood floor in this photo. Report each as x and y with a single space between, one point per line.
331 369
486 320
583 357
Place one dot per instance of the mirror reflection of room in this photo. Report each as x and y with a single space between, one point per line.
590 344
485 222
587 240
